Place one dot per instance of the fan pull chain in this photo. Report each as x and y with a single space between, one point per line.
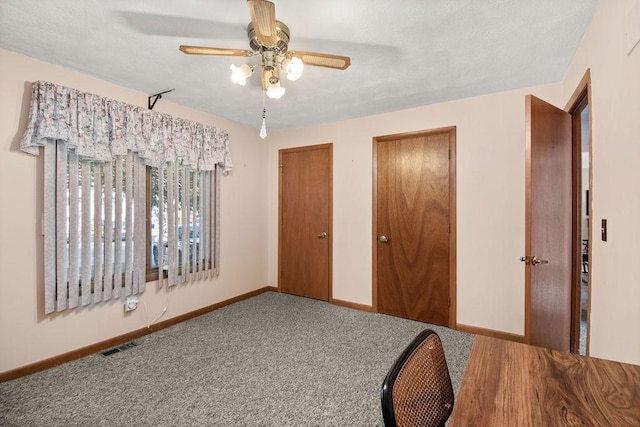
263 129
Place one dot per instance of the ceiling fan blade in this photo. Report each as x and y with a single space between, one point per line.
204 50
322 59
263 18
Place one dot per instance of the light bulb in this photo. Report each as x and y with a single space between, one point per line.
263 129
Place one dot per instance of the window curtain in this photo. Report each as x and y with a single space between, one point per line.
89 139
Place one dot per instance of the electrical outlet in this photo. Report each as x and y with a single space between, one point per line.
131 303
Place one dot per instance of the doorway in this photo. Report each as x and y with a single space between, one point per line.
305 221
579 108
414 226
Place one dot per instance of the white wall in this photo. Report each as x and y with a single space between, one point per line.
490 200
26 336
615 268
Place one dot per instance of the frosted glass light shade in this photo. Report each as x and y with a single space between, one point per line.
294 67
275 91
240 74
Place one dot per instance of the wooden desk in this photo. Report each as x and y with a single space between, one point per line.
511 384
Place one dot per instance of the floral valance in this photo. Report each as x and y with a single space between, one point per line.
99 128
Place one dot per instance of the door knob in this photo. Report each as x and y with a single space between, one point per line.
323 235
383 239
535 260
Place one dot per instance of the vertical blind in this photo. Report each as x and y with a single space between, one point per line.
94 223
97 156
190 224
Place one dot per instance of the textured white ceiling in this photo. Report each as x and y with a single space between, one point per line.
403 53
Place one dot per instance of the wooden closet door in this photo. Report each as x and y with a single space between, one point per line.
413 226
305 221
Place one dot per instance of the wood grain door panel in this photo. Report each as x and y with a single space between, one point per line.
305 221
548 225
413 213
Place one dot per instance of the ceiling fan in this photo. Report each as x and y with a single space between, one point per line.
269 39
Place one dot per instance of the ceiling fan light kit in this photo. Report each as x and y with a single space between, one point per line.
269 39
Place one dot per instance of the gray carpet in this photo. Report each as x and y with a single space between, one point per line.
272 360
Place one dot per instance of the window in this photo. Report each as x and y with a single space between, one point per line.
191 219
110 220
94 219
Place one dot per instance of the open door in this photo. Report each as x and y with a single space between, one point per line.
548 226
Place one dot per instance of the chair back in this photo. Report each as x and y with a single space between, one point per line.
417 390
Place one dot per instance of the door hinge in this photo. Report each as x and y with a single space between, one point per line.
449 301
449 154
448 228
